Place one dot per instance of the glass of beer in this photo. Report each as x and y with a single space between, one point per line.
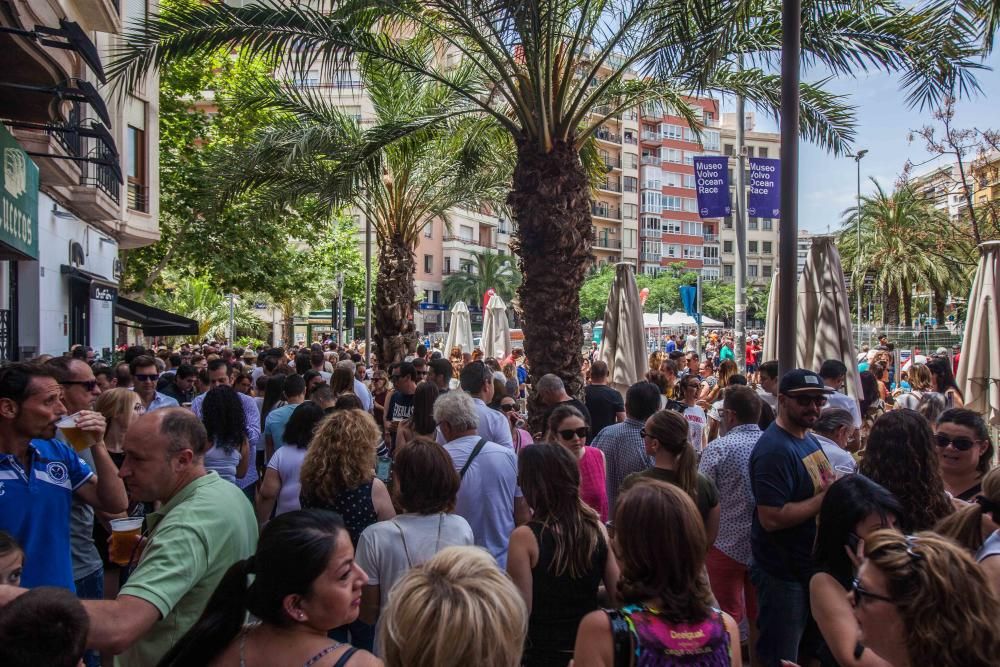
76 437
125 535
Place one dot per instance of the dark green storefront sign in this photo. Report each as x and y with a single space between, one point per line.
18 198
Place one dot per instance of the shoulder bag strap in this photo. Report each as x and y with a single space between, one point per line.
621 638
472 456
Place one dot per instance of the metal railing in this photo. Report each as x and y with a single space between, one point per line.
611 186
478 242
610 244
711 261
610 212
610 137
710 238
102 178
650 136
649 256
649 159
613 162
138 197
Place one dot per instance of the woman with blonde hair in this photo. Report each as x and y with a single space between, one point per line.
920 385
655 360
119 407
921 600
975 527
458 608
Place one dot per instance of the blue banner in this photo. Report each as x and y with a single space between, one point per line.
763 192
712 179
689 298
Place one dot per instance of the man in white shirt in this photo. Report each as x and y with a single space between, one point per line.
836 432
489 498
767 391
477 380
834 373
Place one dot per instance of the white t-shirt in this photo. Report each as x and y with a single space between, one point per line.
837 456
380 551
486 497
844 402
287 462
696 426
690 343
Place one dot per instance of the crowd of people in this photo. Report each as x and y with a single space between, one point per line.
207 505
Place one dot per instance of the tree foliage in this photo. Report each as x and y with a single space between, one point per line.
489 270
201 300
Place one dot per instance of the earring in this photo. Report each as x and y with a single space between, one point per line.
301 616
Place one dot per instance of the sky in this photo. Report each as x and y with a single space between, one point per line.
828 184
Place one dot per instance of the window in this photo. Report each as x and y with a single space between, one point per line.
671 155
766 270
650 224
631 238
630 184
751 270
447 265
711 252
672 179
631 161
689 181
690 205
730 151
672 226
650 269
727 222
727 246
727 270
502 226
692 252
428 263
671 203
671 131
753 247
651 247
761 151
630 211
651 201
138 192
671 250
692 228
652 178
749 151
766 247
688 157
766 224
752 223
710 139
429 231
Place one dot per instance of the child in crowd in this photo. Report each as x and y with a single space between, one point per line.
44 626
11 560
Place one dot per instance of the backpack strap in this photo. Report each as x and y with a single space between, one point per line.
473 455
621 638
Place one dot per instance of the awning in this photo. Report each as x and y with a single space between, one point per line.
154 322
101 288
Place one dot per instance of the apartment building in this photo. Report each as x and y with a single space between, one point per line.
80 178
762 233
671 231
986 179
942 188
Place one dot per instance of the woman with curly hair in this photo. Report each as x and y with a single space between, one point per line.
921 600
975 527
338 472
224 419
560 557
661 544
900 456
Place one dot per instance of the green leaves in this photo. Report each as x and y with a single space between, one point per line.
491 270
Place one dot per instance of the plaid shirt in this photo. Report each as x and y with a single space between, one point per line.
726 461
624 454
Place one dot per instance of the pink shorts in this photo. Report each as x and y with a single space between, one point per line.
730 580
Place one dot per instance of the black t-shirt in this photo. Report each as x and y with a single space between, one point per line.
603 402
786 469
400 407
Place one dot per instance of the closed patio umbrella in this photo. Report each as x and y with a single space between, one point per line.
623 348
824 315
459 329
771 324
979 364
496 331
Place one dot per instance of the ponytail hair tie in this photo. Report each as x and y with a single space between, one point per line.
988 506
249 564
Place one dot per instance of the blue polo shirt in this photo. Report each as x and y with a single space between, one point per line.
35 507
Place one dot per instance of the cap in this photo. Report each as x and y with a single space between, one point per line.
801 381
941 350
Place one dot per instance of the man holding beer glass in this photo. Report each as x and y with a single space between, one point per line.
43 474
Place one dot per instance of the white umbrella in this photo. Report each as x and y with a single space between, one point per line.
496 331
459 329
979 366
771 324
623 347
824 314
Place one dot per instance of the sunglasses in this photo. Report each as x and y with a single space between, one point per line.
89 385
961 444
508 407
568 433
147 378
806 401
860 594
421 373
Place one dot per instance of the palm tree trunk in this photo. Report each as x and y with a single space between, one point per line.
892 308
394 335
550 200
908 306
939 299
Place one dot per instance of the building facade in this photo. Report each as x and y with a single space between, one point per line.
80 174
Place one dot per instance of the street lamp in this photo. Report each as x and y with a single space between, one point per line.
857 259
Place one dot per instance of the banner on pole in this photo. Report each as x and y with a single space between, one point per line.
712 180
763 194
689 298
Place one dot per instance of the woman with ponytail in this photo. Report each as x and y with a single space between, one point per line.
301 583
675 461
975 527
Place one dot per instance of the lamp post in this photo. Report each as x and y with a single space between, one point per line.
857 258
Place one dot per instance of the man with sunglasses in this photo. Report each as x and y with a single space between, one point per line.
789 474
144 377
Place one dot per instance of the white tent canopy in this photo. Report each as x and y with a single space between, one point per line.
496 331
979 366
459 329
677 319
623 346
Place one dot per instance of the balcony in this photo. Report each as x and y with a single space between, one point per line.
449 238
53 172
650 159
710 238
613 162
652 137
98 195
604 243
710 261
649 256
610 186
607 136
629 138
607 212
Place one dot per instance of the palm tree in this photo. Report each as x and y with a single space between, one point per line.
318 152
551 72
906 244
198 299
489 270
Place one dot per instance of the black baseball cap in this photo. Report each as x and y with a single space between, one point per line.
802 381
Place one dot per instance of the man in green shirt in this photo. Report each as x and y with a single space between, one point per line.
203 526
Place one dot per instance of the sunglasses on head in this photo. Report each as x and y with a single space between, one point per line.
568 433
961 444
806 401
147 378
89 385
